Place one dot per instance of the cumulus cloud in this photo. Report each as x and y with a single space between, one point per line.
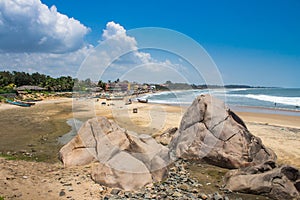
48 63
30 26
117 54
119 43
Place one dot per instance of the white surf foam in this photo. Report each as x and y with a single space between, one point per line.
294 101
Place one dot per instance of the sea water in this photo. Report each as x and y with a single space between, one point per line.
269 100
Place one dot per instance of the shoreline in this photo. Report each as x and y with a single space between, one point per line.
38 128
265 110
247 109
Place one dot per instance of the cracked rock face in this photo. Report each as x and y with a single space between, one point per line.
210 131
120 159
266 179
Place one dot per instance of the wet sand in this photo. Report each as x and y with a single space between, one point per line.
31 133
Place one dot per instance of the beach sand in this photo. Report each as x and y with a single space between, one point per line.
281 133
38 127
31 134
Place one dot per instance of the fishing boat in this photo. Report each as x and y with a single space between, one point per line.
143 100
19 103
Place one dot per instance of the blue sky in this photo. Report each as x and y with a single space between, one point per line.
252 42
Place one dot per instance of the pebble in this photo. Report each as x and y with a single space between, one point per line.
101 189
203 196
217 196
177 194
184 187
62 193
115 191
178 185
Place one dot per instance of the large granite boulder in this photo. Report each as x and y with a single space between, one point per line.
266 179
121 159
210 131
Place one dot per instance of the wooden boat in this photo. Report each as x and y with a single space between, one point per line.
143 100
18 103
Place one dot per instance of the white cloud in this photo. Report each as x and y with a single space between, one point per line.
30 26
47 63
119 43
116 56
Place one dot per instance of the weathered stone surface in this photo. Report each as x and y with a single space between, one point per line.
121 159
210 131
166 137
265 179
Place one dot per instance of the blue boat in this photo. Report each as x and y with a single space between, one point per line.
18 103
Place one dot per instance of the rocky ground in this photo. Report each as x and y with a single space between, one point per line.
36 180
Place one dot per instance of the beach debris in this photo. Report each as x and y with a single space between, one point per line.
121 159
266 179
211 132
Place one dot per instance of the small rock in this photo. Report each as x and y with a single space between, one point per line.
194 190
184 187
25 177
128 194
101 189
62 193
177 194
217 196
191 196
70 189
115 191
203 196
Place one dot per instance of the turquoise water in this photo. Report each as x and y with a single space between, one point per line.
279 99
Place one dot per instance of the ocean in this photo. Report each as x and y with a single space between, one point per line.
265 100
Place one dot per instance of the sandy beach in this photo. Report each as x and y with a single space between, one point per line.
32 134
24 129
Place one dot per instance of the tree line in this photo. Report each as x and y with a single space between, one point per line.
9 81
